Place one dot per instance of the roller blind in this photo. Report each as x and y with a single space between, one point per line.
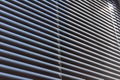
59 40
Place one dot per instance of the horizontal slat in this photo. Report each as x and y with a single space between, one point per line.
9 76
26 72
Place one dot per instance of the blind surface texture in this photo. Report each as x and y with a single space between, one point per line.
59 40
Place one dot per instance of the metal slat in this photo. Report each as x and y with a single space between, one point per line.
10 76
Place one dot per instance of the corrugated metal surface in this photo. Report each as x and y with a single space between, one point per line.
60 40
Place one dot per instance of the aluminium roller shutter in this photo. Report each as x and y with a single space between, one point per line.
59 40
